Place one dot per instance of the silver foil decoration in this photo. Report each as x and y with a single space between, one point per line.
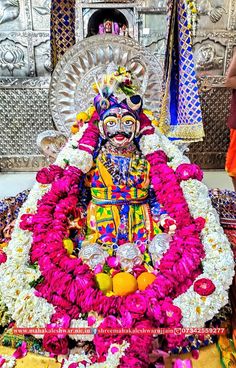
129 256
93 255
158 246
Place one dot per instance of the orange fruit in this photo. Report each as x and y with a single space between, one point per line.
124 284
74 129
145 279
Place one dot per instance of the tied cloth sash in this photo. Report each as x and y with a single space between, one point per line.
119 195
181 116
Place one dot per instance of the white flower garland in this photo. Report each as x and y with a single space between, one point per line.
156 141
10 361
31 311
23 305
76 157
82 323
112 361
218 264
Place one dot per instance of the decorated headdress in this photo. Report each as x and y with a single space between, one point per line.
117 90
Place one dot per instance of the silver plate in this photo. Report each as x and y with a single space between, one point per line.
70 90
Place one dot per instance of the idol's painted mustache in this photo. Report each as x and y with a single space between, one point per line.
126 135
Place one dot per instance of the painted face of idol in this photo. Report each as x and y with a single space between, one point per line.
119 127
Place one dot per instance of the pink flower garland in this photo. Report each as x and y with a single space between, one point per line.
70 285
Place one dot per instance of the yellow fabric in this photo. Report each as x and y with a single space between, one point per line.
31 360
104 211
227 351
209 357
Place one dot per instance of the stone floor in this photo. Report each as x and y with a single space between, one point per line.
13 183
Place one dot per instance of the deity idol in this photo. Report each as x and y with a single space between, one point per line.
119 233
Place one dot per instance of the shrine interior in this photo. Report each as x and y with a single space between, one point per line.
130 107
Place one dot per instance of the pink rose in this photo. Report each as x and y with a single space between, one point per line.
56 171
183 363
154 310
175 340
21 351
73 172
103 341
156 158
44 176
61 319
48 174
189 171
136 304
138 270
74 365
27 222
129 361
3 256
112 262
2 360
173 313
55 345
199 223
204 287
126 317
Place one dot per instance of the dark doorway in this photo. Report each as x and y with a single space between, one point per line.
100 16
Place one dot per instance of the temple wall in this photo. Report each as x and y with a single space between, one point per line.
24 80
25 71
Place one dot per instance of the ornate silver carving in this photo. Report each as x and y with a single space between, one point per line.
42 58
215 108
9 10
209 56
23 114
11 56
24 82
43 9
41 14
50 142
22 162
73 76
212 9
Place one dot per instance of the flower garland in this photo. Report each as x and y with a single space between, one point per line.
7 361
79 293
114 356
192 14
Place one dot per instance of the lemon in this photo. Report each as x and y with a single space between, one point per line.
104 282
124 284
145 279
69 245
